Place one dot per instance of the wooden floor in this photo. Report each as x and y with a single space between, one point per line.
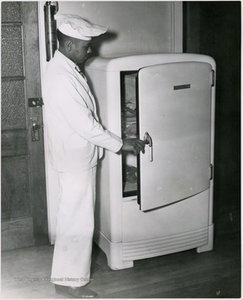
215 274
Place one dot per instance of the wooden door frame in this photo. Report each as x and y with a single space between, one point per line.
33 90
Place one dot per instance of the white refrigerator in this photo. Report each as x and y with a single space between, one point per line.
160 202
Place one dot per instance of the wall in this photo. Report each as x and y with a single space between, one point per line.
133 27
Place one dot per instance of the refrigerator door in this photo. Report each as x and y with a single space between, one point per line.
175 118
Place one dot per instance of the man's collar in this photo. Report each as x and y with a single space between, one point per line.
61 56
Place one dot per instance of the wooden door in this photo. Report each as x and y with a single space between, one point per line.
24 216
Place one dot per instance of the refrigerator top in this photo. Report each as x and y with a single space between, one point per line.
135 62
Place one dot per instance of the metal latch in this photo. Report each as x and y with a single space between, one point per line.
35 102
35 129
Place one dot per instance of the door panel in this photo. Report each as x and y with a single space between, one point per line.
174 108
24 221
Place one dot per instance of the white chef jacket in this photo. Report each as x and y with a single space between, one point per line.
73 129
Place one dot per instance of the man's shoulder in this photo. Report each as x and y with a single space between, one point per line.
56 71
55 67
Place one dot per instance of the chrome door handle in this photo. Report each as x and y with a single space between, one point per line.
148 140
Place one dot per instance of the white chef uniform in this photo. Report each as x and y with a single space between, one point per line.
74 136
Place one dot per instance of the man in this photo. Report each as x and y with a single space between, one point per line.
74 137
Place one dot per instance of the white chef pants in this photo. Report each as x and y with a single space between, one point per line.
75 227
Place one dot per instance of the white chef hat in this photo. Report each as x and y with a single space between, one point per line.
75 26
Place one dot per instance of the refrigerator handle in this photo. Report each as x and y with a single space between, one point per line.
148 140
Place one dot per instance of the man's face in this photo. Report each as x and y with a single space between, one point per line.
80 50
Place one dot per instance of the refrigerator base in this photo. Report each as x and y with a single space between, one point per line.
209 245
113 252
121 255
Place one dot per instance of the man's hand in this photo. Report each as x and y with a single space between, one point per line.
133 145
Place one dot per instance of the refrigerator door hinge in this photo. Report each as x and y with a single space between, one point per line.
210 172
213 78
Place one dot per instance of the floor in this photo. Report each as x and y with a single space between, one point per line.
214 274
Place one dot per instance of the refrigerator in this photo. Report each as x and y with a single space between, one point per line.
161 201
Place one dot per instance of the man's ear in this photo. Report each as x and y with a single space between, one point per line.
69 44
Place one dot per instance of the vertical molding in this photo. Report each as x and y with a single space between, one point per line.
52 196
176 27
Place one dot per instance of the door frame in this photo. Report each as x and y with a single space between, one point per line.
33 90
